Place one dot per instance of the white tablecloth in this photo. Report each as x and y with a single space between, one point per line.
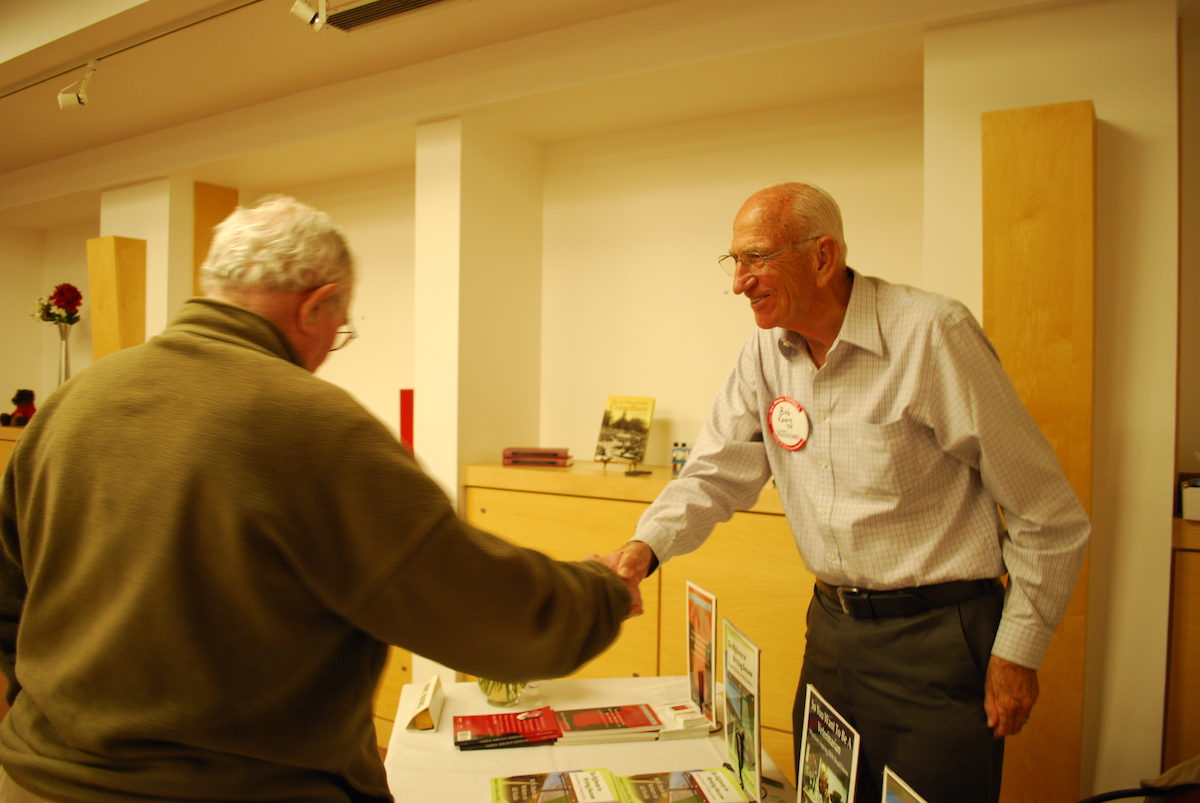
425 766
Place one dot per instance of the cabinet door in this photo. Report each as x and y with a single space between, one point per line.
1183 692
752 565
569 528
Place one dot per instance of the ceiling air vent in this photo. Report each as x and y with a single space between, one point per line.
368 13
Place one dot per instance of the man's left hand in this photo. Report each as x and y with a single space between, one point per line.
1009 692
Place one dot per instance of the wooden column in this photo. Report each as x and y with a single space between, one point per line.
117 281
212 205
1038 302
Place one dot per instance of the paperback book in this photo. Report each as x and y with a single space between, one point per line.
484 731
616 723
895 790
539 461
686 786
743 723
625 429
573 786
537 451
701 641
828 753
681 720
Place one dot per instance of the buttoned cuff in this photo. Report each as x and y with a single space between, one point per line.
1022 645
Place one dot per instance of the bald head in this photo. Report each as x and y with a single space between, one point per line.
799 211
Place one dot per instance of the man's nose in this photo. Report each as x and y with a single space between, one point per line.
742 278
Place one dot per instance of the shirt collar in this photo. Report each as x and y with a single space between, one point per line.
860 327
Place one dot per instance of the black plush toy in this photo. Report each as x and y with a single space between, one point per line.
25 410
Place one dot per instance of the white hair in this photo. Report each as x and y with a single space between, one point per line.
280 244
814 211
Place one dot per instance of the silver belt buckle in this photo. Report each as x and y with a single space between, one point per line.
842 592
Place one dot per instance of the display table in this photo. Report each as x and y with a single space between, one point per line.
424 765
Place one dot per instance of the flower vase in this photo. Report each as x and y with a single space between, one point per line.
64 352
504 695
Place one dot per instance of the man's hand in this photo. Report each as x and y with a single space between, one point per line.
1009 692
631 563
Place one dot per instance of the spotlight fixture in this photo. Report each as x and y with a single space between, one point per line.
68 99
315 18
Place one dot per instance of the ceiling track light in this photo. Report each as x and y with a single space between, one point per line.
316 18
68 99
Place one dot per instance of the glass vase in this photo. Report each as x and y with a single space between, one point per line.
64 352
500 694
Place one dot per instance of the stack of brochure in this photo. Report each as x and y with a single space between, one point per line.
601 786
614 723
682 720
523 729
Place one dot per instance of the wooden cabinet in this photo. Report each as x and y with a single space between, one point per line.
750 563
1182 733
8 440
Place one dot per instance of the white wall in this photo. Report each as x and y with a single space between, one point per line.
160 212
32 263
21 278
1120 55
376 213
634 302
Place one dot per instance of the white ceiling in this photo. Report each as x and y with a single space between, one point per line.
554 70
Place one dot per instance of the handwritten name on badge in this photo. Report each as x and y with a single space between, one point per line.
789 423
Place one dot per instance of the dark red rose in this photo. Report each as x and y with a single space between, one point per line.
67 298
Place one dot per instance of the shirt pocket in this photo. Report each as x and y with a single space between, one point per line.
880 457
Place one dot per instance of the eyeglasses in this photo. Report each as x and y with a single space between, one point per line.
343 337
756 264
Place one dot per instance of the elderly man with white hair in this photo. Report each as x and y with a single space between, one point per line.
895 440
205 550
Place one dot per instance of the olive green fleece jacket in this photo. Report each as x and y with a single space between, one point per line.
205 549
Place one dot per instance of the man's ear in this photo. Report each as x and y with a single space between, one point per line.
828 253
311 300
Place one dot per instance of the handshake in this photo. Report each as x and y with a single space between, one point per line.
632 562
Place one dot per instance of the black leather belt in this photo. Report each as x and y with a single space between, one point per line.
864 604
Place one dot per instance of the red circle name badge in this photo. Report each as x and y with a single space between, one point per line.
789 423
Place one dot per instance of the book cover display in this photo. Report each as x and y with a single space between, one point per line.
743 723
625 429
573 786
701 643
828 753
684 786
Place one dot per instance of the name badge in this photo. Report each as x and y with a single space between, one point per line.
789 423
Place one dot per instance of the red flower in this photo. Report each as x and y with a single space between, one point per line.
67 298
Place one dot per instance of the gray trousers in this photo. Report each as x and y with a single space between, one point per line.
912 687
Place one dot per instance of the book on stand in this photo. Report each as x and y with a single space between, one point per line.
572 786
701 610
743 723
614 723
895 790
828 753
515 729
625 429
682 786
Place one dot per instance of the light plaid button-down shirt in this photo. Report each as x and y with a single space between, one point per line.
916 436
